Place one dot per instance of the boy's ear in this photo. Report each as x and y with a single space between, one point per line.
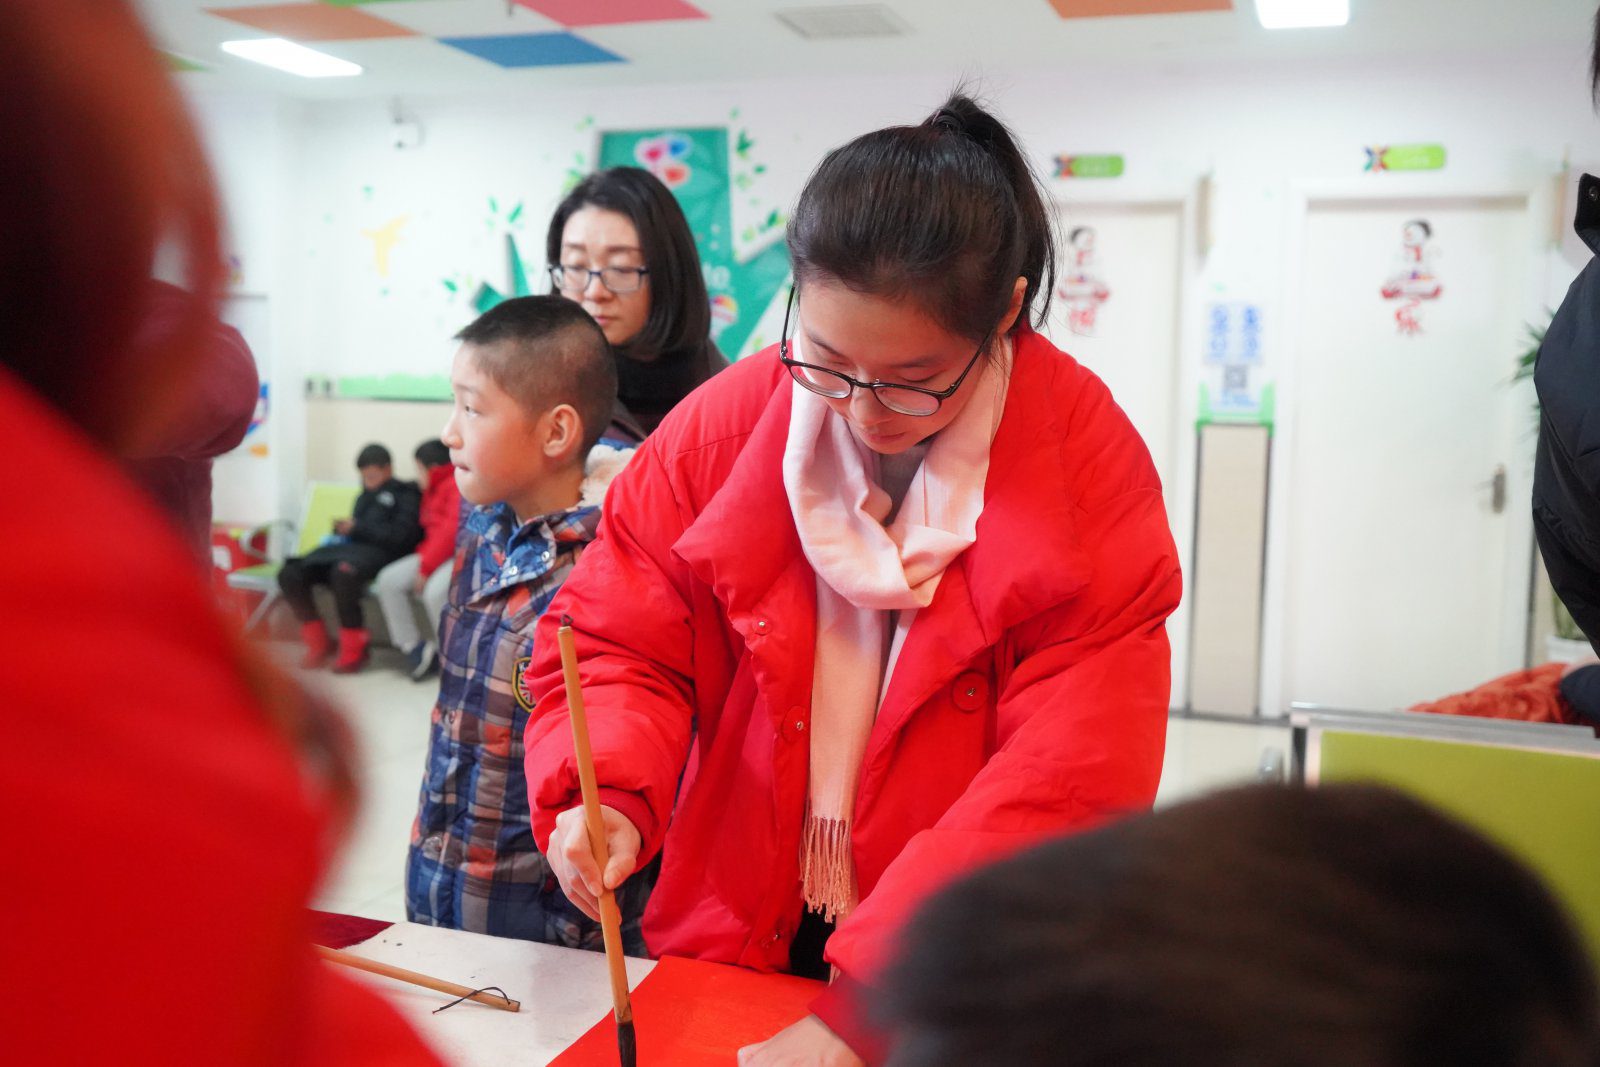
563 433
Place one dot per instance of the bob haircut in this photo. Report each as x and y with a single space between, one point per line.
680 310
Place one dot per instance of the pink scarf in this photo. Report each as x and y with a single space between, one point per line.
865 571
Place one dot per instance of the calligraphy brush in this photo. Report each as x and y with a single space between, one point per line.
610 916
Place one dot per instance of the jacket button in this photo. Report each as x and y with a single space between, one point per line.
970 691
762 626
796 724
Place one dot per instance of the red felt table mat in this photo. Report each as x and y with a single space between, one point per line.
687 1013
335 930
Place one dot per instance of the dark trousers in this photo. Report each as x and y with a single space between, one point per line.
805 951
348 582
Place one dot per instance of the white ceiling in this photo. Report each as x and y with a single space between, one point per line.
741 39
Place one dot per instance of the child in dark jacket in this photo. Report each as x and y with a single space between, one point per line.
423 575
384 526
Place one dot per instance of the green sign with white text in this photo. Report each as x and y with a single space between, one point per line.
1406 157
1105 166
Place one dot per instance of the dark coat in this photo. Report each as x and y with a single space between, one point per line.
1566 474
387 525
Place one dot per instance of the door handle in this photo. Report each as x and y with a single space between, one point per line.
1497 489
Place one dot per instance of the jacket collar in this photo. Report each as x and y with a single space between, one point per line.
743 544
508 554
1026 559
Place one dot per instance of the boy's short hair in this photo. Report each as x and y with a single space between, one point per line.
374 456
432 453
1347 924
544 351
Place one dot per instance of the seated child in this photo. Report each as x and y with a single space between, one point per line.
534 388
1266 925
383 527
420 574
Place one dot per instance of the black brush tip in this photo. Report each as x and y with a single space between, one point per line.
566 620
627 1045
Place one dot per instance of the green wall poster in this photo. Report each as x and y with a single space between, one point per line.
695 164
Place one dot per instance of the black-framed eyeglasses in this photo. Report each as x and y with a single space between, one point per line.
899 398
617 279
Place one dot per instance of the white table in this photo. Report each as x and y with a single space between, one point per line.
563 992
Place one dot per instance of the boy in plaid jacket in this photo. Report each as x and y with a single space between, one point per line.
535 386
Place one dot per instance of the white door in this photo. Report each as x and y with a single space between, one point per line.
1116 311
1400 582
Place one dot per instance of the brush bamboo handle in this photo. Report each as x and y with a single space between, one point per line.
439 985
610 914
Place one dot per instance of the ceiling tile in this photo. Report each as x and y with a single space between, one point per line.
534 49
313 22
612 13
1095 9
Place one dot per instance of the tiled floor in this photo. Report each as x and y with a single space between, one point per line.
389 713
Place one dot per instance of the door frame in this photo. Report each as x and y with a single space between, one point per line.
1184 199
1535 213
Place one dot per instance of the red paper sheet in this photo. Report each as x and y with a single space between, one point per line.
336 930
692 1014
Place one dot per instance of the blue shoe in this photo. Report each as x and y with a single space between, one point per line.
423 660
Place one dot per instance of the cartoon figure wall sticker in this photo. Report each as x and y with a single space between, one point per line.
1081 287
1414 282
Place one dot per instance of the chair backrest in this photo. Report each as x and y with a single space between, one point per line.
1541 802
325 502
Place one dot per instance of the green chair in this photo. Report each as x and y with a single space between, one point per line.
324 502
1537 794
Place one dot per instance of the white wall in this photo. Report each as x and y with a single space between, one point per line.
253 145
304 183
1258 132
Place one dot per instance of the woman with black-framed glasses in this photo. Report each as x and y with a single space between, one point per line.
876 604
620 245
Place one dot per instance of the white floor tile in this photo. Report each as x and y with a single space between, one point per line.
388 713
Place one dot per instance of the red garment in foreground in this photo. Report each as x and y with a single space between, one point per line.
1532 696
688 1014
167 836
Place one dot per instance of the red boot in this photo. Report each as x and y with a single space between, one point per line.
352 651
314 636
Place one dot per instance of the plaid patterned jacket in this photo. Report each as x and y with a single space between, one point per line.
473 863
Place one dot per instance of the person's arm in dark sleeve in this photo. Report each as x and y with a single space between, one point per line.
1566 471
1580 687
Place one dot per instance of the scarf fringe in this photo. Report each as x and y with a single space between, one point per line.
827 874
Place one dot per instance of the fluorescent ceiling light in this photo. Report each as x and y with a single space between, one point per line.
294 58
1302 14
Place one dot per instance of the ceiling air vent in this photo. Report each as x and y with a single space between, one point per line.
841 23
